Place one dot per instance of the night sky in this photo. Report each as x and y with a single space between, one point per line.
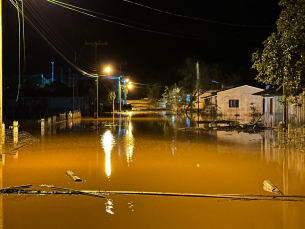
217 38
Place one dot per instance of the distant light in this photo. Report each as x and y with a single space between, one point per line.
107 69
127 80
129 86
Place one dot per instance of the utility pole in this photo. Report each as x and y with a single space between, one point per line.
285 108
73 95
119 93
197 71
52 71
95 45
1 134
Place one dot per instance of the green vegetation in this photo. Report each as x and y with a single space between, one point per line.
282 61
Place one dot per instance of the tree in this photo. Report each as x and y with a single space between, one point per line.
210 76
282 61
154 93
111 97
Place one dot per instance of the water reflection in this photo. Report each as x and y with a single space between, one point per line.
107 144
129 143
109 206
162 158
130 206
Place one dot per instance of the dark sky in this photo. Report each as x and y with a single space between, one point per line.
144 52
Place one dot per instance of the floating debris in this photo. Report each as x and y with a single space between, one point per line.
73 176
15 189
102 194
24 139
269 187
79 192
46 185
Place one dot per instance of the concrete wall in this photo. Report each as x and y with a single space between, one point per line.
244 95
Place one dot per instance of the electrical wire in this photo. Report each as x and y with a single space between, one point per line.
57 39
19 50
194 18
120 19
84 72
45 37
83 11
23 36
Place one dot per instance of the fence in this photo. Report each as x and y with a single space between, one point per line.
14 140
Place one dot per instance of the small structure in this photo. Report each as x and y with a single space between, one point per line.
238 101
272 107
73 176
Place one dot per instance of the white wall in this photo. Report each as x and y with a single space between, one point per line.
244 95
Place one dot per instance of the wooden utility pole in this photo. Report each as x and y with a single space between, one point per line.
198 80
95 45
1 70
285 108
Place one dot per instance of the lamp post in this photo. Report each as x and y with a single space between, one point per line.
125 91
119 78
97 97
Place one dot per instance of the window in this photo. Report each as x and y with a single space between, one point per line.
263 105
234 103
271 106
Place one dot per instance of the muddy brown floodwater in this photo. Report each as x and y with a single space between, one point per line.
148 153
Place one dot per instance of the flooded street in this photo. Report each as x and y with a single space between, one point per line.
149 153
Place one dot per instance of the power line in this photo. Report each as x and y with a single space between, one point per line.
194 18
56 37
54 45
84 11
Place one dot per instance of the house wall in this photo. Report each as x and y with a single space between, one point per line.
244 95
272 119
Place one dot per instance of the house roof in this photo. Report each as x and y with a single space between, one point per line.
210 95
239 87
226 89
277 90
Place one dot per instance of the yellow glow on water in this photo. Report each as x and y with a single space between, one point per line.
107 143
129 143
109 206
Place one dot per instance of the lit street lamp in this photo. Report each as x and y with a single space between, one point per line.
124 81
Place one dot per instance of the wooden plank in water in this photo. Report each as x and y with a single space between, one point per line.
73 176
16 188
80 192
218 121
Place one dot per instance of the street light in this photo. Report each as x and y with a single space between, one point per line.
124 81
129 85
107 69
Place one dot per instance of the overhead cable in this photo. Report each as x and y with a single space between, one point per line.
83 11
194 18
82 71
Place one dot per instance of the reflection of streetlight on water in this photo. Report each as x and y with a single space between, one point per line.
107 144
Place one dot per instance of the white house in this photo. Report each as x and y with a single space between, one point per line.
239 101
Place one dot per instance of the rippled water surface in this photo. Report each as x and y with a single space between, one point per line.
151 154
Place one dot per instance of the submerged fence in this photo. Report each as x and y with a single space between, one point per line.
291 138
14 140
